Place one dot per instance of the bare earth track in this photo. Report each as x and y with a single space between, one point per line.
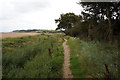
66 70
13 34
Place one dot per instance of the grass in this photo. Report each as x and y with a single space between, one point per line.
41 56
88 59
32 58
10 44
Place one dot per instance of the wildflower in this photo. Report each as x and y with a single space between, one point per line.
111 64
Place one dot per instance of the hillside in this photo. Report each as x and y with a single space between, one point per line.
38 31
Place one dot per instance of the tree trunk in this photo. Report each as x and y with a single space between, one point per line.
118 52
110 33
89 31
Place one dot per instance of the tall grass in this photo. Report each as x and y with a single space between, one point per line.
10 44
88 59
33 60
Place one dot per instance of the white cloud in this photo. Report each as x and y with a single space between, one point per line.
33 14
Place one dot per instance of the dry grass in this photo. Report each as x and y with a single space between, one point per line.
12 34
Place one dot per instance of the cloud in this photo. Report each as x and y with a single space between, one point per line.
31 5
33 14
12 8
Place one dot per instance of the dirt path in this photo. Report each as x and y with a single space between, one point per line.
66 70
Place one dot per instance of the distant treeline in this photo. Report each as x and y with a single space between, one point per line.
38 31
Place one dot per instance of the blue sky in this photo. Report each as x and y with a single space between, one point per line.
34 14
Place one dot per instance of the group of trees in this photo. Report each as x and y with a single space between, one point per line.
98 20
38 31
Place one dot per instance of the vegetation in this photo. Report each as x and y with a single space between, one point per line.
94 54
98 21
37 30
67 21
94 46
38 56
10 44
88 59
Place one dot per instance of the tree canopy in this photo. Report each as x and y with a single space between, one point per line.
98 20
67 21
97 12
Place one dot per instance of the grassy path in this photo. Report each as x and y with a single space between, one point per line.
66 70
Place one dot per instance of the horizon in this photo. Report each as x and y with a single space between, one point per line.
25 29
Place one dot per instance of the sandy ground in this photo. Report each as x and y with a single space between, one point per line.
66 65
13 34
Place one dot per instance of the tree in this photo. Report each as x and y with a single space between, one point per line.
94 12
67 21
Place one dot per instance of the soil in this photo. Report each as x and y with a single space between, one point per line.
66 65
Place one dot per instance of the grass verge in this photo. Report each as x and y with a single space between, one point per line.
88 59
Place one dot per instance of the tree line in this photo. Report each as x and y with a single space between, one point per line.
98 21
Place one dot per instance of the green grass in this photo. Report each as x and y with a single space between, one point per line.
88 59
32 59
10 44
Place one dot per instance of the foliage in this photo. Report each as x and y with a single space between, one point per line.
67 21
108 12
37 30
79 30
98 21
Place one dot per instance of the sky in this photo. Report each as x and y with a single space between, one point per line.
34 14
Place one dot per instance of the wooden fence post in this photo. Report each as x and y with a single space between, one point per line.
107 74
51 45
50 53
57 51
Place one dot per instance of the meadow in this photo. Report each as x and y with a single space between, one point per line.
39 56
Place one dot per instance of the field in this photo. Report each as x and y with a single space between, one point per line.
42 56
39 56
13 34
